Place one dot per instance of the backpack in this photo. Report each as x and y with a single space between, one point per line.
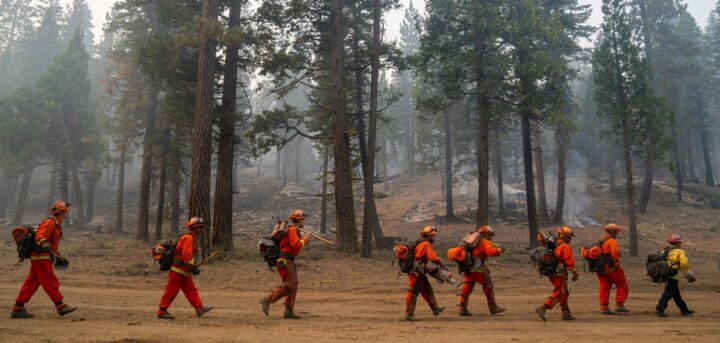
462 254
24 237
544 256
594 257
657 267
405 254
166 254
269 247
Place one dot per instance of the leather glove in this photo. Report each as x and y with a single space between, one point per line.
195 270
575 276
46 246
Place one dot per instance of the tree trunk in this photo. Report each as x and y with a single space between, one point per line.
449 213
176 179
91 181
384 166
646 186
64 179
298 151
5 186
323 194
160 214
630 190
690 162
120 189
77 192
285 154
52 187
146 172
224 186
499 174
345 212
611 167
278 159
525 116
709 175
562 153
679 175
539 170
22 196
202 135
259 167
483 113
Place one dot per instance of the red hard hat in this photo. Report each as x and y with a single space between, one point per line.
297 215
60 206
565 231
612 227
674 238
195 222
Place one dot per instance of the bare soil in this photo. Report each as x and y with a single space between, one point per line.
346 298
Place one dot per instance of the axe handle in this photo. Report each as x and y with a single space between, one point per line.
212 256
317 236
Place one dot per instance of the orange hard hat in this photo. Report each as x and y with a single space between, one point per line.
486 230
195 222
297 215
60 206
674 238
428 230
565 231
612 227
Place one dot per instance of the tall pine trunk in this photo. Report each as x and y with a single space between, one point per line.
22 196
646 186
119 206
323 194
611 167
91 180
525 116
345 212
562 154
5 185
483 114
679 175
176 180
52 188
649 60
499 174
222 218
449 213
64 179
160 213
202 135
146 171
630 190
707 159
539 169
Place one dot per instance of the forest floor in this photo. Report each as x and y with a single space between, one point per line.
344 298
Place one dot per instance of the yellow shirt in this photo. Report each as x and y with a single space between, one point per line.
678 260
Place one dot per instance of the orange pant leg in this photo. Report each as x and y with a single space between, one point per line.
171 290
41 274
607 280
560 292
288 287
191 293
29 287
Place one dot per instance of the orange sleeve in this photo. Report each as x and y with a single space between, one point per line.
43 232
612 248
425 252
186 245
489 248
568 257
296 243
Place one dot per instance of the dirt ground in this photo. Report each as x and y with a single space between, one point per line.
345 298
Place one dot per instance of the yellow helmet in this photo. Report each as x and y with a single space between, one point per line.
565 231
428 230
297 215
195 222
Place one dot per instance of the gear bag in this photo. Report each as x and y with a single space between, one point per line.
463 255
165 253
269 247
658 268
405 255
594 257
544 256
24 237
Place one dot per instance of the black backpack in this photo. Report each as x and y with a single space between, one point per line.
468 263
168 256
657 267
407 264
269 250
24 237
544 256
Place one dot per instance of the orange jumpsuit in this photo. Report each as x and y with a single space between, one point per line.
180 276
41 267
481 275
290 247
418 282
612 275
560 294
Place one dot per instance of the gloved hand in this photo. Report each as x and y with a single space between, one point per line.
195 270
575 276
61 263
46 246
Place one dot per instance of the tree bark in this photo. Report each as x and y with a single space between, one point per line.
649 60
367 239
630 190
52 187
202 135
5 186
679 175
646 186
611 168
345 212
119 206
562 153
22 196
176 180
224 186
499 174
539 170
323 194
298 151
449 213
91 181
707 159
526 113
64 179
160 214
483 113
146 171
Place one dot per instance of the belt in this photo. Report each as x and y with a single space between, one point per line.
40 257
179 271
287 256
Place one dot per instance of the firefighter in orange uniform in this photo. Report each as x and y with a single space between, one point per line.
612 274
480 274
182 270
290 246
417 280
47 237
566 262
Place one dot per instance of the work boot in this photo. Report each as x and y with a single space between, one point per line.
203 310
21 314
66 309
621 309
409 317
566 315
290 314
437 310
265 303
660 313
541 312
465 313
687 313
166 315
497 310
607 312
